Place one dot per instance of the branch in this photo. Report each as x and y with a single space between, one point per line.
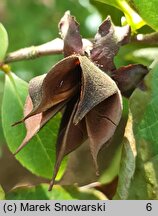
50 48
150 39
53 47
56 47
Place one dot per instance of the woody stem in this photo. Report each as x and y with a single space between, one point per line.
56 47
50 48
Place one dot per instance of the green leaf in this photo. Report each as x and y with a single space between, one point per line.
2 139
133 19
39 155
40 192
127 166
144 108
114 3
143 55
114 160
148 11
3 42
2 194
113 169
106 10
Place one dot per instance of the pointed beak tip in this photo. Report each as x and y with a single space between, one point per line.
16 123
50 187
15 153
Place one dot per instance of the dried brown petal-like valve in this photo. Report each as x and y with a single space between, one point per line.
92 103
81 85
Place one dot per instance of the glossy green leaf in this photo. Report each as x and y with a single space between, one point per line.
114 3
41 192
2 194
106 10
2 140
148 11
144 108
112 169
127 165
143 55
3 42
133 19
39 155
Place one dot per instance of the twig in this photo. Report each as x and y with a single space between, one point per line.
56 47
150 39
50 48
53 47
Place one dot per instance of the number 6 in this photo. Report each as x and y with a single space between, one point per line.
148 206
